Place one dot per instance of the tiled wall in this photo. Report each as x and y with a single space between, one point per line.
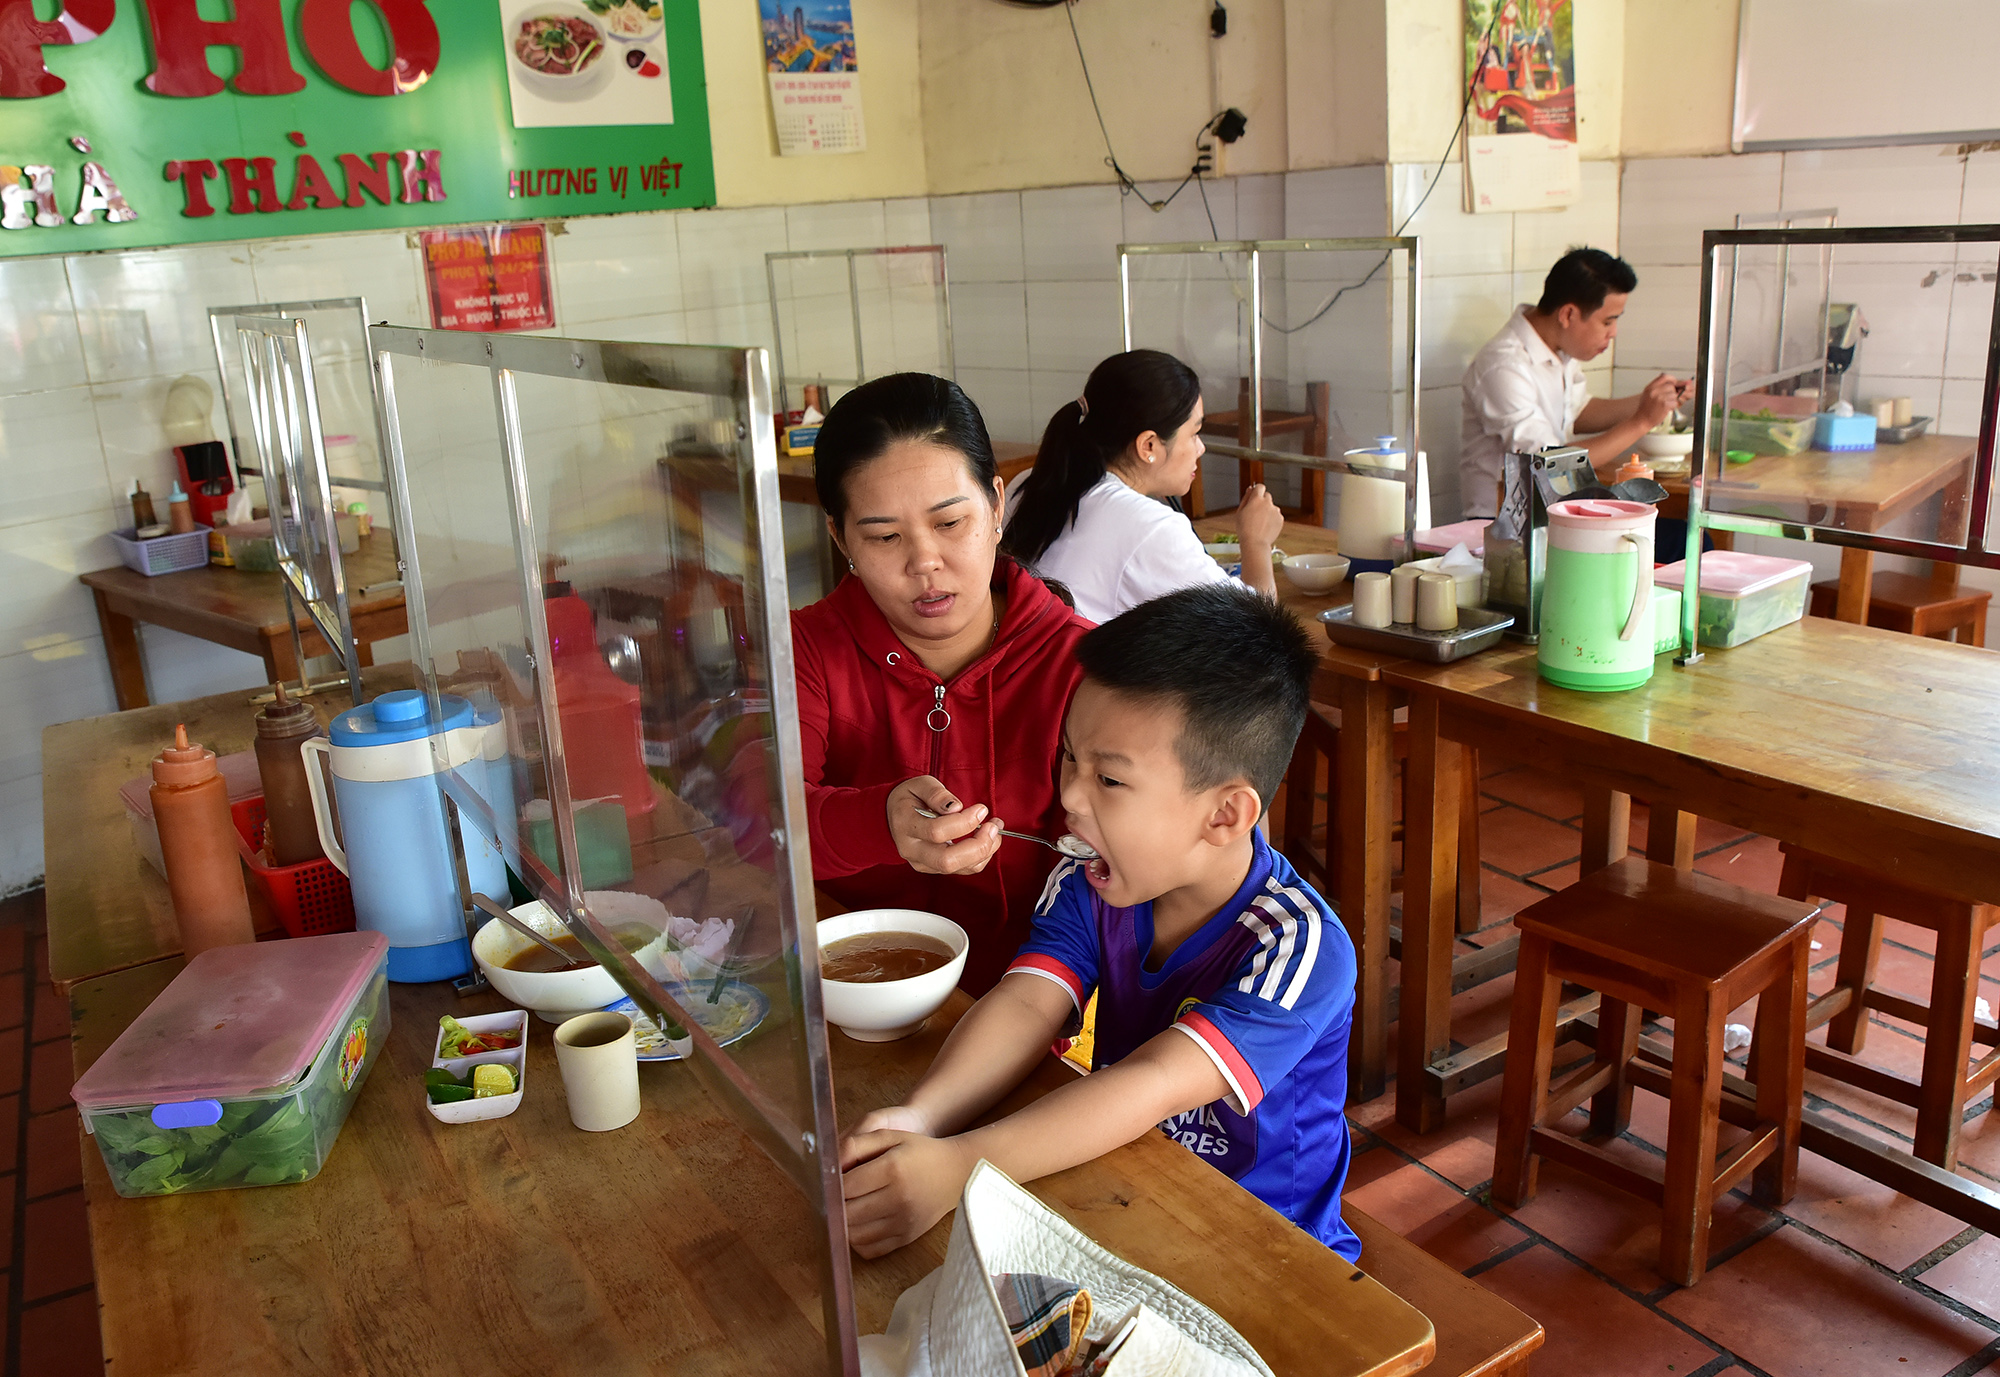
89 344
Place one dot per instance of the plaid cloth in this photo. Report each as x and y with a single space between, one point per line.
1047 1317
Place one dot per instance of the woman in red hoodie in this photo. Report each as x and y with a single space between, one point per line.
936 677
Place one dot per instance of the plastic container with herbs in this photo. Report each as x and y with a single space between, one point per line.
243 1070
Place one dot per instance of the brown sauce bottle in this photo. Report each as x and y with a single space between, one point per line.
291 834
198 843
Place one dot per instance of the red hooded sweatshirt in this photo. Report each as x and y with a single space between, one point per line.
871 716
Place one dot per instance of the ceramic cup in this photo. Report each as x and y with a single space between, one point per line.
599 1058
1437 602
1371 600
1403 592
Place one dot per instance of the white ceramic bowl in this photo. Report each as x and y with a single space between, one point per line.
1666 446
885 1010
1224 549
1316 573
576 85
556 995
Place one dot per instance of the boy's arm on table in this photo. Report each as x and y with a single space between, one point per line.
900 1181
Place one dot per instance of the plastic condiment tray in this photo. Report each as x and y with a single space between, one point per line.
514 1058
1477 630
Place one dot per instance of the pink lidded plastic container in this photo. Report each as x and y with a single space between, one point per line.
1743 595
243 1070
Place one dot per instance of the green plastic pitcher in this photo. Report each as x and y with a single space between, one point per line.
1597 616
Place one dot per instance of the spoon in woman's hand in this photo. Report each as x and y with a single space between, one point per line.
1075 847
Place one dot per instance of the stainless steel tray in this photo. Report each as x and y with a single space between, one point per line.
1477 630
1902 435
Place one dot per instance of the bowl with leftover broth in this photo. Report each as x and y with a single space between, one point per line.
530 976
883 971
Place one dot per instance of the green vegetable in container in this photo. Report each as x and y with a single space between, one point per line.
255 1143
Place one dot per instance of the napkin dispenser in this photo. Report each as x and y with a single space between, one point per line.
1517 543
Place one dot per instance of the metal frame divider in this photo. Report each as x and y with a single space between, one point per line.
807 1153
771 261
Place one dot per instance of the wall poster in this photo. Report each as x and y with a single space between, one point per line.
489 277
815 82
1520 132
140 123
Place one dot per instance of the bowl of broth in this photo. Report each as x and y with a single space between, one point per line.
533 978
884 971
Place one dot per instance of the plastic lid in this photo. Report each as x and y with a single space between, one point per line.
394 717
1589 511
286 717
1732 573
239 1022
184 762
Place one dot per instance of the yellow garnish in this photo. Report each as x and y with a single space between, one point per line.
491 1080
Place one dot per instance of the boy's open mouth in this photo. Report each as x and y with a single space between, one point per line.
1097 871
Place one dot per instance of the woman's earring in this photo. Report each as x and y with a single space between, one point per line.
850 566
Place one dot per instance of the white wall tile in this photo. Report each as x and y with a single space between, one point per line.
1004 400
1917 185
722 255
20 835
746 325
128 422
1454 243
907 221
1260 206
145 313
1071 233
981 235
1543 236
58 461
382 268
1662 322
1980 204
39 347
1907 306
1460 314
1050 389
39 564
1971 330
1072 325
1958 407
1185 218
667 327
1440 416
56 683
1665 203
1337 203
612 267
989 324
180 667
835 225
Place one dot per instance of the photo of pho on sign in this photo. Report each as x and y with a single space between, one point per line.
586 62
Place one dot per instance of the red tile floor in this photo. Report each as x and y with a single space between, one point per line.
1849 1278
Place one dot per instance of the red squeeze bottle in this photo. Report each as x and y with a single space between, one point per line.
198 843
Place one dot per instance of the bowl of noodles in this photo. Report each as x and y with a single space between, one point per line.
559 49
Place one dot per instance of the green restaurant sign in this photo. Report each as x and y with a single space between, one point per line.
139 123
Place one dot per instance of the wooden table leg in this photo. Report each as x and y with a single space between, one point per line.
1361 782
1430 908
281 665
1670 837
121 648
1607 828
1857 572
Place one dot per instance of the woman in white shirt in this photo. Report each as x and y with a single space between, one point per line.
1098 512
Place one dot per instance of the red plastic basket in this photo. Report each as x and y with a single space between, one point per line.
310 898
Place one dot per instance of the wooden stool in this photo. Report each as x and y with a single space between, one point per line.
1307 825
1949 1027
1648 936
1920 606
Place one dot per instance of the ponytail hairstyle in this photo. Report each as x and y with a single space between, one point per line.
1127 395
884 411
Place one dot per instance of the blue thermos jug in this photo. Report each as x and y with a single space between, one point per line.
385 758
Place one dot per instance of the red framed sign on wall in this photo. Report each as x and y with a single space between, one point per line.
489 277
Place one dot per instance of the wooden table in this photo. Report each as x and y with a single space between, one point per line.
524 1245
243 611
669 1246
83 763
1853 492
1844 739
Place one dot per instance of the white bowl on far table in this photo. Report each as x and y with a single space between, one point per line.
1658 445
1316 573
884 1010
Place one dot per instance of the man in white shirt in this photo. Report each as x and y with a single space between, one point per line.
1524 390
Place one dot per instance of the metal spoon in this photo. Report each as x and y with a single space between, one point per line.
493 910
1072 846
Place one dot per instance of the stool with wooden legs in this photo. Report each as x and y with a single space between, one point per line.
1648 936
1950 1030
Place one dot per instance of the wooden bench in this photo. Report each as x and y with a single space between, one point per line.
1478 1333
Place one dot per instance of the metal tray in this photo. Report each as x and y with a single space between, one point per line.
1477 630
1902 435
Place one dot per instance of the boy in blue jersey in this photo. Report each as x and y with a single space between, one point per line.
1225 985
